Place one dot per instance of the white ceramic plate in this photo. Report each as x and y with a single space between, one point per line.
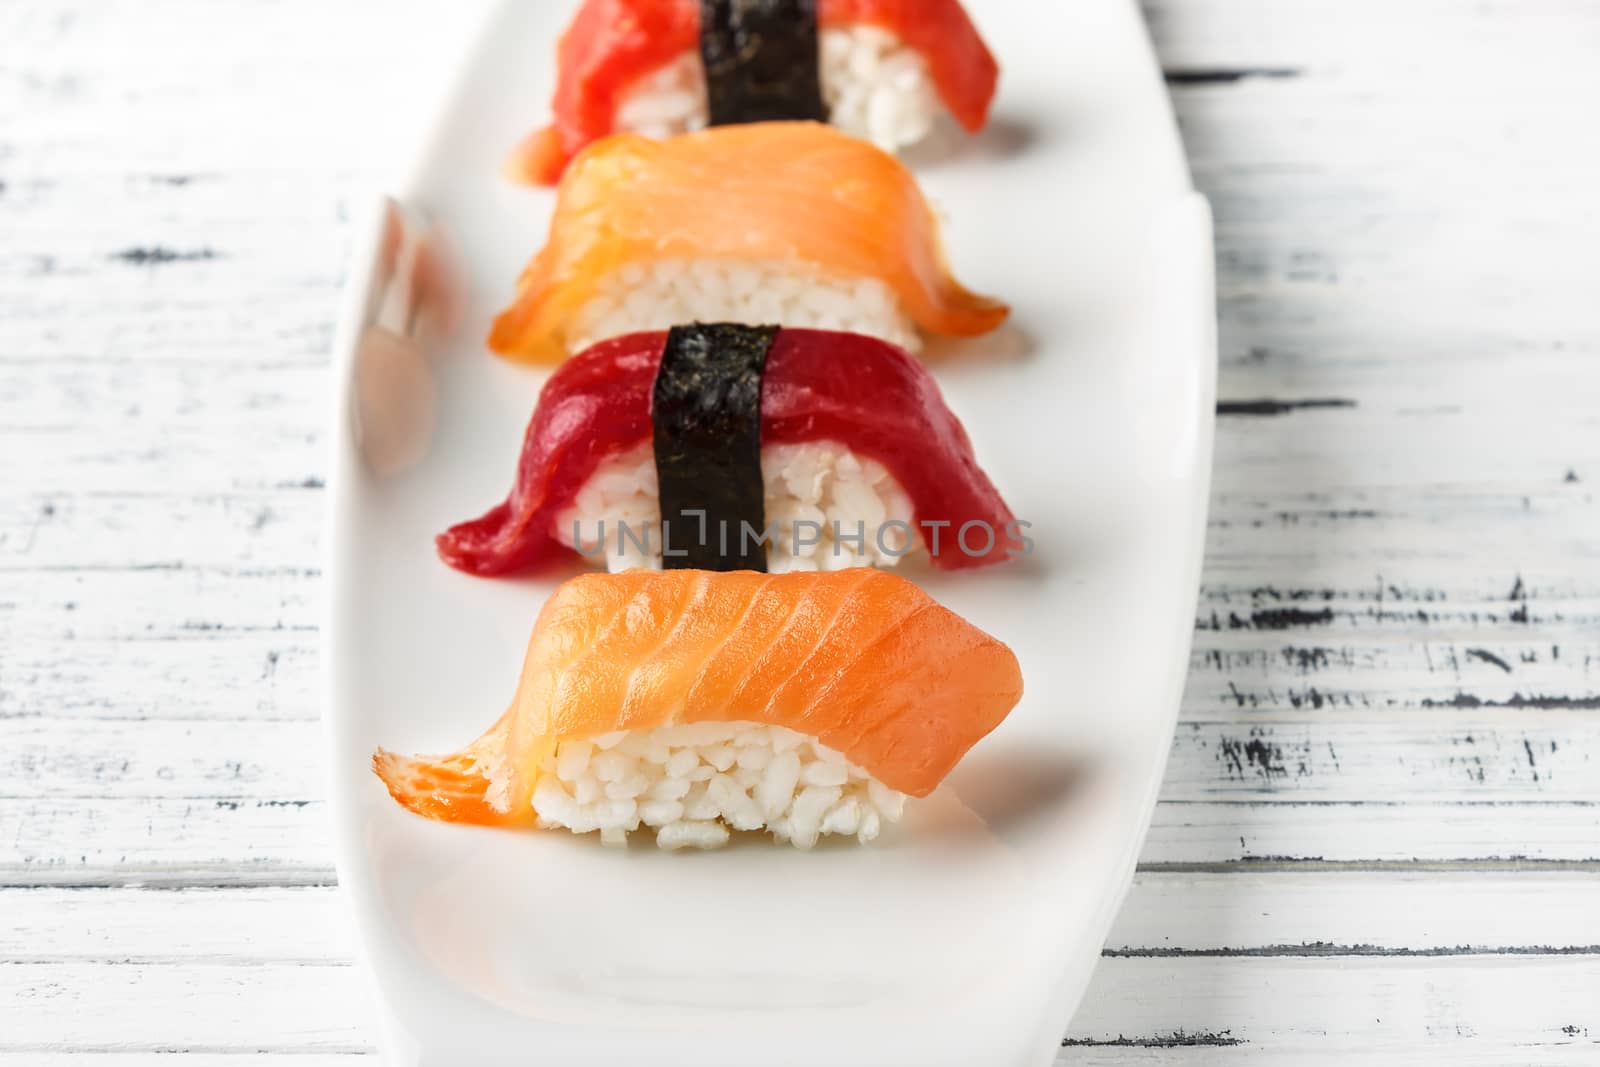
968 934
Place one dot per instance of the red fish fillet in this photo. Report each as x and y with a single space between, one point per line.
862 393
612 44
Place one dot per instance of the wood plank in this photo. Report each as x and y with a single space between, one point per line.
1530 606
241 675
1351 640
1328 38
1345 914
231 1058
234 927
160 601
1280 833
1169 1050
1363 1005
283 1008
1178 915
173 800
263 61
229 517
44 529
246 841
131 942
182 842
1205 1049
1427 757
1474 1005
1543 757
128 428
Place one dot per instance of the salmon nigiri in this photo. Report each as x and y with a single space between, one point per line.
694 702
790 222
882 70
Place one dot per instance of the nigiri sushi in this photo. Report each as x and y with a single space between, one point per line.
765 448
790 222
882 70
694 703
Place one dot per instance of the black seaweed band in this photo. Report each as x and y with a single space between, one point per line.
705 411
762 60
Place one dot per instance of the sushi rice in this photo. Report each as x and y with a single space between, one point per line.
667 292
693 784
819 482
875 88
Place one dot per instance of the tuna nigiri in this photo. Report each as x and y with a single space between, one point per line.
693 703
882 70
827 449
790 222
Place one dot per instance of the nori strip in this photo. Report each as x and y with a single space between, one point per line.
705 411
762 60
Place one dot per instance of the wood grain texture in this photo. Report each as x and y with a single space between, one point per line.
1483 1006
269 967
1292 914
1380 831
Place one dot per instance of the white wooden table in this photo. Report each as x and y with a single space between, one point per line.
1380 831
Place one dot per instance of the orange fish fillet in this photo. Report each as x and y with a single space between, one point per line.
797 192
862 660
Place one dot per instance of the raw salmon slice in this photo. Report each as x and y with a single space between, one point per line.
631 670
800 194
